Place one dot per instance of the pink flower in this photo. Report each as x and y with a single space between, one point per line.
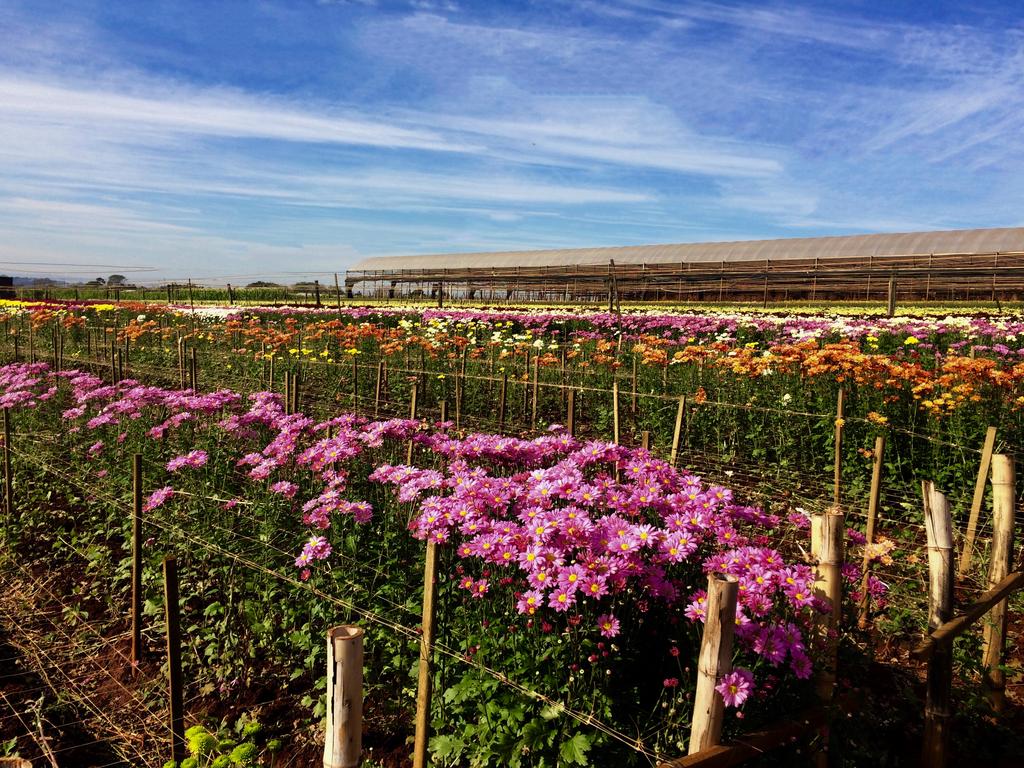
192 460
608 625
286 489
736 686
671 682
158 498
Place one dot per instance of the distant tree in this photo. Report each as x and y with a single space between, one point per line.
97 281
263 284
115 280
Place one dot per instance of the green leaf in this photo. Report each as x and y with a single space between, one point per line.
446 746
574 751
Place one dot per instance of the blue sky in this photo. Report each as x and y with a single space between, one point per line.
236 140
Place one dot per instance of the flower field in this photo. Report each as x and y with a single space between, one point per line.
580 474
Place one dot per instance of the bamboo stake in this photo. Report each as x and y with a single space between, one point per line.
136 656
938 704
376 390
8 476
680 415
1003 493
645 440
979 498
570 412
343 739
181 363
615 411
633 388
839 445
423 692
412 415
876 483
172 616
501 405
444 411
355 382
526 383
714 662
536 378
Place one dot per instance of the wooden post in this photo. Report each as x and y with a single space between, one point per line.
231 296
343 737
412 415
876 483
837 472
316 293
136 561
714 662
193 371
938 698
172 616
191 301
423 690
8 476
376 389
979 497
828 585
337 292
1003 499
295 392
615 411
891 304
645 440
270 373
570 412
680 414
444 411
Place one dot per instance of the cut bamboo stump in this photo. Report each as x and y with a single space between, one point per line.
714 662
938 698
828 585
1003 494
343 742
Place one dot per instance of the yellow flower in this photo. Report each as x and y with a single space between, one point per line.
911 340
